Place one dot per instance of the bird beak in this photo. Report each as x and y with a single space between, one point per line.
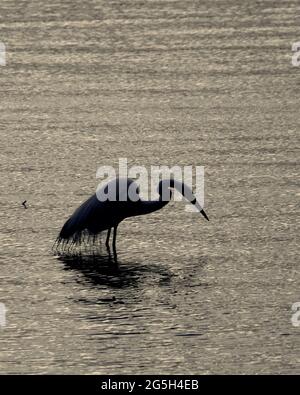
186 191
204 214
197 205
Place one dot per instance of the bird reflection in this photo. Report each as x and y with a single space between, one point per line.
107 270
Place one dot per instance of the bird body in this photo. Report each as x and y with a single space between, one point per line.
117 200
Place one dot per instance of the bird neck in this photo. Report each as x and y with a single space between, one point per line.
143 207
150 206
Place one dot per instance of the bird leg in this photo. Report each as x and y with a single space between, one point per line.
107 238
115 238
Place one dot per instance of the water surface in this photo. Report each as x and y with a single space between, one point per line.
159 82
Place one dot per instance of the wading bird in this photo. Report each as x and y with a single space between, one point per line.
111 204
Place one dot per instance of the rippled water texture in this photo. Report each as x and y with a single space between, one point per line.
159 82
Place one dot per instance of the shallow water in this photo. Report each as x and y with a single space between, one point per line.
158 82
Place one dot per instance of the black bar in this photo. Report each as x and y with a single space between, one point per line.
140 383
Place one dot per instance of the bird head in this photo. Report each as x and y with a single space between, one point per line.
165 193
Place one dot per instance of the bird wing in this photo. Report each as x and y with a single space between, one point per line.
82 218
94 216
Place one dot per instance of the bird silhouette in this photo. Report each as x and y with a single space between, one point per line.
111 204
